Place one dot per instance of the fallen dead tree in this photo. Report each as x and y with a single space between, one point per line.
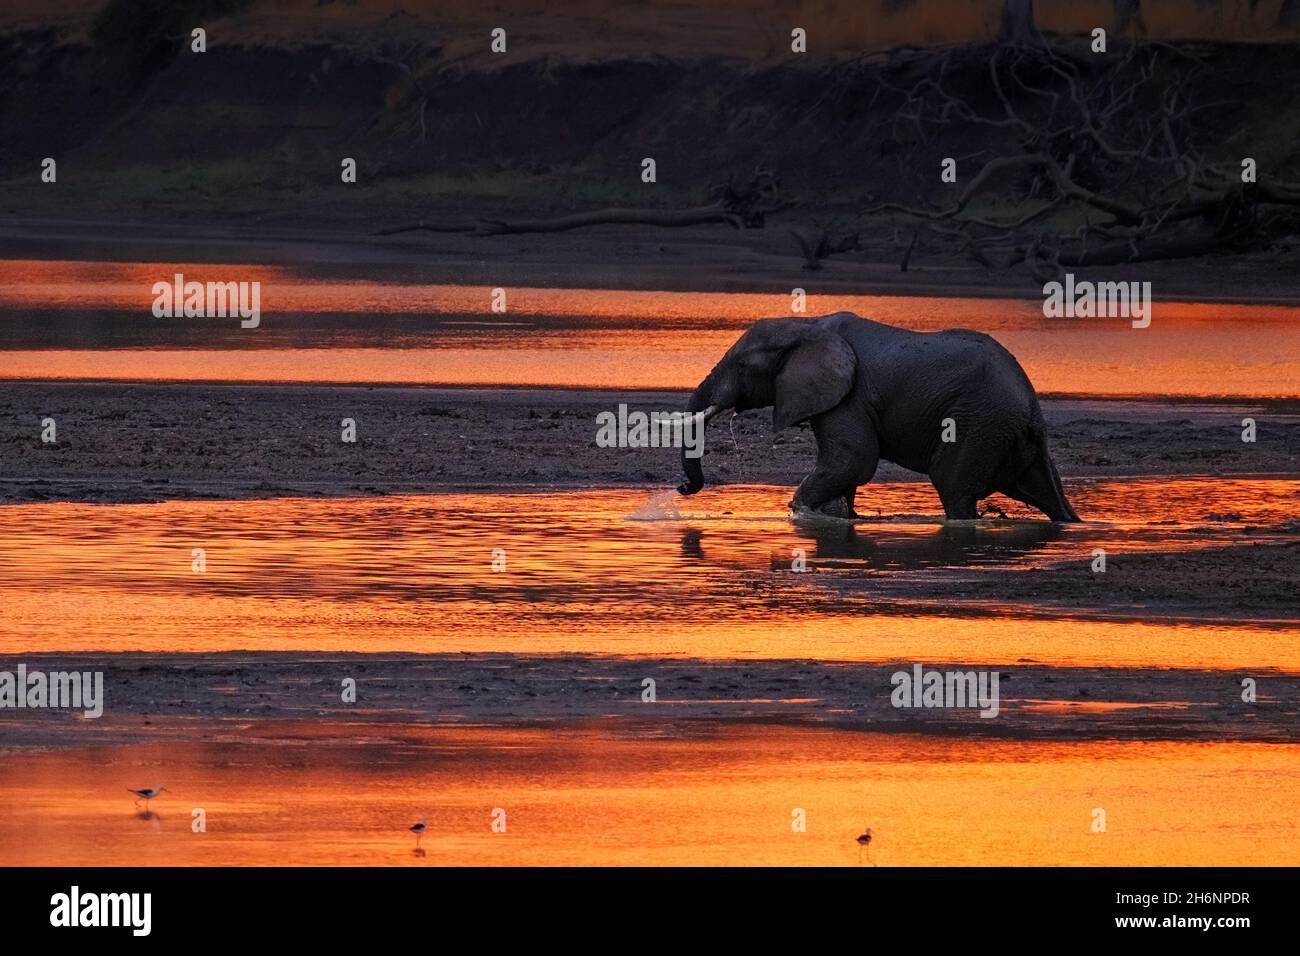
1102 159
744 206
821 240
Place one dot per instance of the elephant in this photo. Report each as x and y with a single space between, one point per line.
953 405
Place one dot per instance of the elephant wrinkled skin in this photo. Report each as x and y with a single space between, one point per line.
873 391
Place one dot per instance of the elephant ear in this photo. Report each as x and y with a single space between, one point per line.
817 374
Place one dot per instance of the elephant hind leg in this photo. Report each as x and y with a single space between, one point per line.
1039 487
966 471
957 491
958 505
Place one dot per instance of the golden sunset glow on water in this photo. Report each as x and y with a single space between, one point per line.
597 338
415 574
637 795
602 447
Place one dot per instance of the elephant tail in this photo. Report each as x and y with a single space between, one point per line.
1041 482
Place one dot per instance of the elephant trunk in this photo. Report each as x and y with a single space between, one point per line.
691 467
694 472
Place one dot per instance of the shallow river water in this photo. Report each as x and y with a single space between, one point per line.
94 320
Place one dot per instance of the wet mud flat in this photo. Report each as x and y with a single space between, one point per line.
1252 581
124 442
215 697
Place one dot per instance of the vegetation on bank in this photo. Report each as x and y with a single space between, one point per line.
1058 154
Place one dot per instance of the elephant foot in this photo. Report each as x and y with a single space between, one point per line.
834 508
838 508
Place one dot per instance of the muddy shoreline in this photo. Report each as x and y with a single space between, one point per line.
122 442
217 696
692 259
1252 581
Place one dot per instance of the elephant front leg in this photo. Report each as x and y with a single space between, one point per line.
847 455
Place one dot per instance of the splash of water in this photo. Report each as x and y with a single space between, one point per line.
659 507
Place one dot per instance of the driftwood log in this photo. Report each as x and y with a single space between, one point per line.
744 206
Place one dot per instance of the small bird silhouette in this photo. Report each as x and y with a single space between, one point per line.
418 830
147 794
864 843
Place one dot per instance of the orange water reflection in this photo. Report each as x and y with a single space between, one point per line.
620 795
45 283
586 337
415 574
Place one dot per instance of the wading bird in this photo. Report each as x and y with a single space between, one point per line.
418 830
146 794
864 841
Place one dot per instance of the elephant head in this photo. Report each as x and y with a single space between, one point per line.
794 365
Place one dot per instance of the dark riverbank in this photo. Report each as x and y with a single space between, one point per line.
159 695
148 442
